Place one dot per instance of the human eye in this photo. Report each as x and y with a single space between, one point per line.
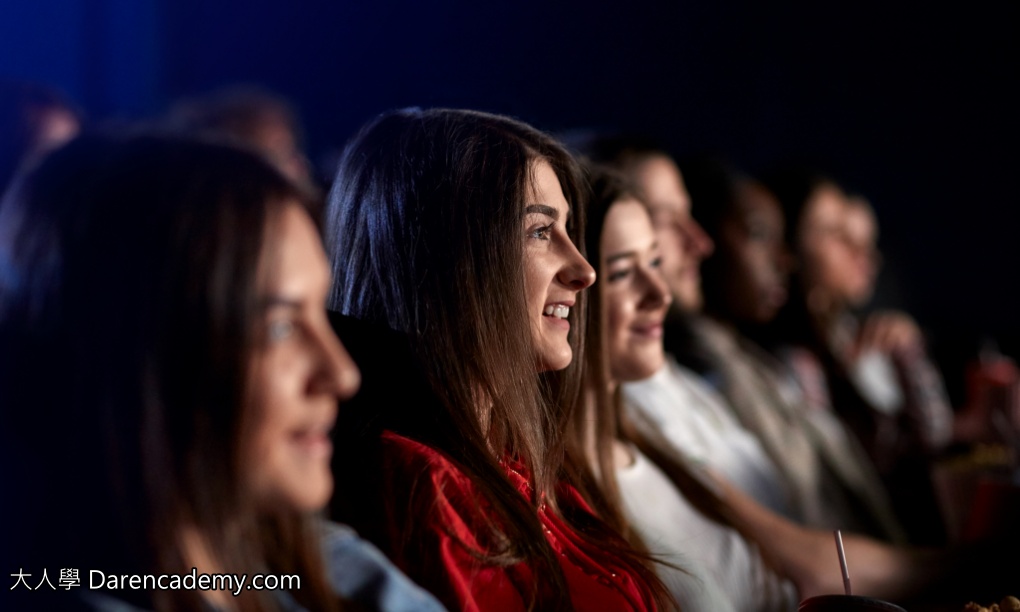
656 262
280 329
541 233
617 275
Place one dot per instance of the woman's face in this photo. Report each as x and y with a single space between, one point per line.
684 243
301 370
837 247
635 294
757 264
862 236
554 270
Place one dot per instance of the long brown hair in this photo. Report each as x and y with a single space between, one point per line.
424 225
130 275
613 422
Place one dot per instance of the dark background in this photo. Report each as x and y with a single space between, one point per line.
914 105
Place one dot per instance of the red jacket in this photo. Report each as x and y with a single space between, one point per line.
458 520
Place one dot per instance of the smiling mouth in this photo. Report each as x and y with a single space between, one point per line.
313 443
557 310
650 331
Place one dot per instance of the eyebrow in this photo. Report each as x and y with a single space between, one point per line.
543 209
619 256
629 254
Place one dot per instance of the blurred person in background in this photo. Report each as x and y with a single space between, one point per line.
34 120
253 117
871 368
168 379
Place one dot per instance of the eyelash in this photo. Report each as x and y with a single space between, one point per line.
541 233
622 274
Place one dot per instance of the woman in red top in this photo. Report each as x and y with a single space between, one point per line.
457 229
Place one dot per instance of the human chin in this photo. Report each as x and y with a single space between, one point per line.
554 355
310 489
636 364
648 358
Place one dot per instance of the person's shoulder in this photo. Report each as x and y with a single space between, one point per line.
412 453
360 572
423 469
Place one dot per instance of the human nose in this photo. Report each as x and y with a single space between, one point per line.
337 373
576 272
656 292
696 241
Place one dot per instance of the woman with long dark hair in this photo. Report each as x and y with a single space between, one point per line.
457 229
168 379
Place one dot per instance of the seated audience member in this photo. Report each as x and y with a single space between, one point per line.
745 286
252 117
457 230
706 563
871 369
34 119
734 554
687 410
829 479
168 379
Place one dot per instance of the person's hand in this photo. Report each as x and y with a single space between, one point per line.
889 332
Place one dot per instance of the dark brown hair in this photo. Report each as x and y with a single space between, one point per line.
424 225
129 278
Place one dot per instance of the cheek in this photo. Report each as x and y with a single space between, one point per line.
833 265
745 272
536 285
618 316
278 390
819 264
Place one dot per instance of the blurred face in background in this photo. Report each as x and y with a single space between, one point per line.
301 371
275 138
862 236
755 262
836 249
636 296
681 240
56 128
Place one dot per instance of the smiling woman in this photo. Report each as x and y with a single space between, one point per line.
553 268
458 229
299 370
176 289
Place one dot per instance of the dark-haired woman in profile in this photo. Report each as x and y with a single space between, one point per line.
457 230
168 380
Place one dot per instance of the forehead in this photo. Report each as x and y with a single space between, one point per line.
627 228
662 184
827 203
753 199
860 215
293 257
544 187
